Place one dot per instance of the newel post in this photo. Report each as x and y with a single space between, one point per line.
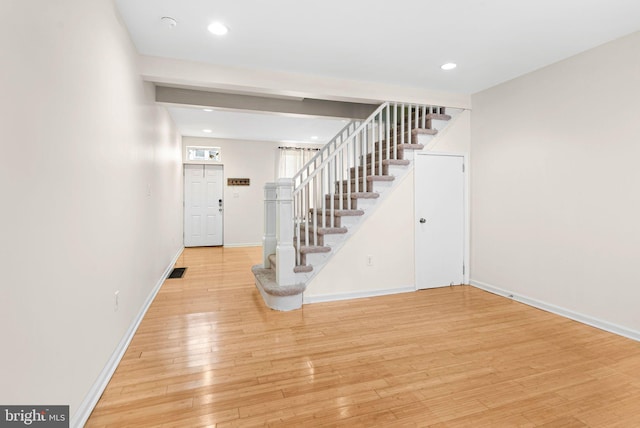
269 239
285 252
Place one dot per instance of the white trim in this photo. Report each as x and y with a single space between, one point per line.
576 316
248 244
357 295
201 162
83 412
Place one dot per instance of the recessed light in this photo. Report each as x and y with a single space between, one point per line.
315 137
208 131
169 21
449 66
208 109
218 28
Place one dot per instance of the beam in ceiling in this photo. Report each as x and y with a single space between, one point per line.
306 106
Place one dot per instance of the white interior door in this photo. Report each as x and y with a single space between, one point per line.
203 205
440 220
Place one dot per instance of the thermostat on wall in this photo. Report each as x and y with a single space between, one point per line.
238 181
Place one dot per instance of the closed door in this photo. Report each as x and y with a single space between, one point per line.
440 220
203 205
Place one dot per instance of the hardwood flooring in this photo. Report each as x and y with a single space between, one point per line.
209 353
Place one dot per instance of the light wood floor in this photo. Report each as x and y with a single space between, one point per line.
208 353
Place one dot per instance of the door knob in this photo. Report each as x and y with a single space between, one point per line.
423 220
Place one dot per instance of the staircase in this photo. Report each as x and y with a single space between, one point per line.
308 217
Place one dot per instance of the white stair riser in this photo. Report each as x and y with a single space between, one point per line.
438 124
396 170
315 259
349 221
381 186
365 204
409 154
333 239
280 303
424 140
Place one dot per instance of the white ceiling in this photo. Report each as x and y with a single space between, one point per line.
286 129
400 42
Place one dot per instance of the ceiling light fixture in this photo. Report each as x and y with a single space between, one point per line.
207 109
448 66
315 137
218 28
208 131
169 21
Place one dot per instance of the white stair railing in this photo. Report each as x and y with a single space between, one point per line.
325 152
344 167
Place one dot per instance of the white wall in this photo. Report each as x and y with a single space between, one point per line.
82 144
243 205
555 199
388 235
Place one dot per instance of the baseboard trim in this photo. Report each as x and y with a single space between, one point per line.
356 295
249 244
576 316
81 416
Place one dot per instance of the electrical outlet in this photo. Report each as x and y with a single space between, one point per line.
117 301
369 260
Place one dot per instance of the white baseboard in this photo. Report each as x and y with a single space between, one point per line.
576 316
356 295
249 244
81 415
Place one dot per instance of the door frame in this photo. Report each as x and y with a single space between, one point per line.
466 213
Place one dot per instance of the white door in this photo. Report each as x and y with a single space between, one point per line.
440 220
203 205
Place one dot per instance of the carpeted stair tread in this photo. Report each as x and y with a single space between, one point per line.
339 213
272 260
371 170
438 116
427 119
314 249
363 183
355 195
303 269
349 201
385 162
412 137
323 230
401 146
369 178
267 278
376 178
401 149
402 162
410 146
415 131
424 131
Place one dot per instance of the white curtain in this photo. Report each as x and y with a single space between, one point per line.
292 159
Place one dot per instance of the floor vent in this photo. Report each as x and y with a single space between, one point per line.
177 273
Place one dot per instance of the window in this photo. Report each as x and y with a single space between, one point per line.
292 159
196 153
